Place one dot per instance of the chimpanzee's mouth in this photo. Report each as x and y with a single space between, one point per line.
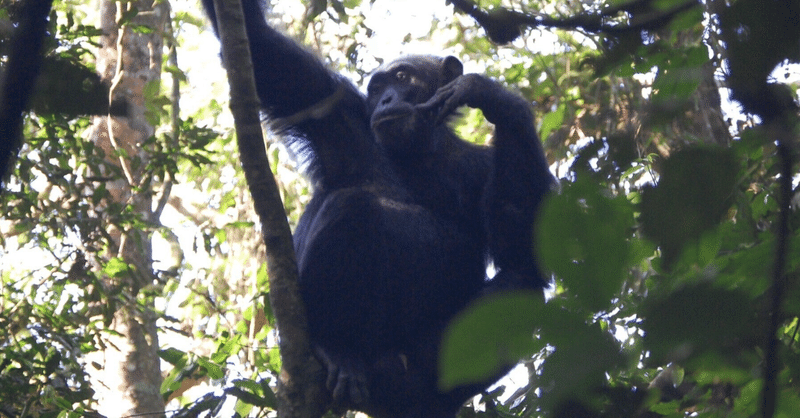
390 116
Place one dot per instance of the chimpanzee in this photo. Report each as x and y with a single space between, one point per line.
405 215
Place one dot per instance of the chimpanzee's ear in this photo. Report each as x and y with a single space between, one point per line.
450 70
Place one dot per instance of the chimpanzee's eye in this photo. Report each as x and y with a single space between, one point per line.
402 76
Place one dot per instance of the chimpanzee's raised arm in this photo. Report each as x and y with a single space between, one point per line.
519 179
307 99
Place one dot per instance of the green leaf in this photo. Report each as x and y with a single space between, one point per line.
676 84
215 371
552 121
492 333
583 238
697 319
116 267
253 386
694 192
242 408
227 347
172 356
582 357
266 398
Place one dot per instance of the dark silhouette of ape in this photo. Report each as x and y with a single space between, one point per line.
405 214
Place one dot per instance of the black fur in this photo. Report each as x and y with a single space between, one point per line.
405 214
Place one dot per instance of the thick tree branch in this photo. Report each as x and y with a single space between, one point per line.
300 390
503 26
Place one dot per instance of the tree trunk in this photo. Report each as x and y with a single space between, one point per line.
129 380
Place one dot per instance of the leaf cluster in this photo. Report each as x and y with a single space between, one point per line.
662 240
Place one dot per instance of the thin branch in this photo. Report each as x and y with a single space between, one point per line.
175 101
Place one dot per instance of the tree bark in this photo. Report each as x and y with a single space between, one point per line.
129 381
300 385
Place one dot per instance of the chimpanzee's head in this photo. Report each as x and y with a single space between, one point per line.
393 93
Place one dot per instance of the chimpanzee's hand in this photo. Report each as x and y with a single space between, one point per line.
347 379
473 90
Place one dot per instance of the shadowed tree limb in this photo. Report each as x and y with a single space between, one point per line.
300 390
503 25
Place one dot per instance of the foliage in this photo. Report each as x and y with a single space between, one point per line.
52 313
663 236
662 239
61 280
